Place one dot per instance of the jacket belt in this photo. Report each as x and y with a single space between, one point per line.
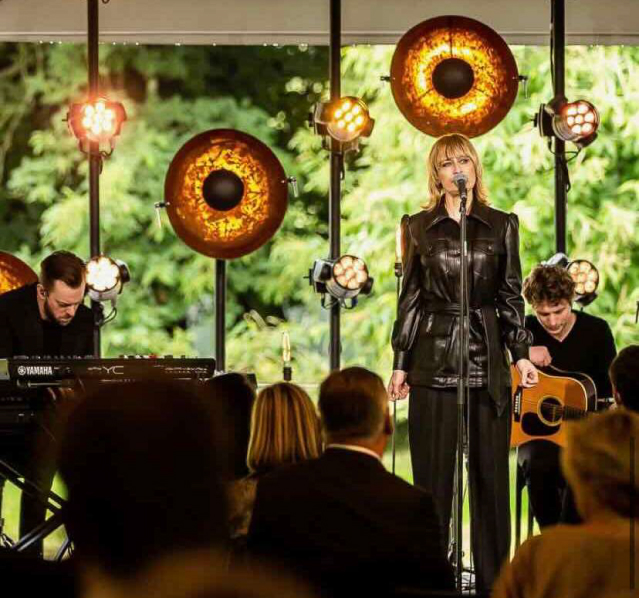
498 377
446 307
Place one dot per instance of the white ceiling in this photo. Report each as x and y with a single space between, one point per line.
252 22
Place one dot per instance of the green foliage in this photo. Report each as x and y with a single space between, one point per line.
171 94
166 95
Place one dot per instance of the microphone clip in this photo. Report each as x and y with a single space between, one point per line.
460 181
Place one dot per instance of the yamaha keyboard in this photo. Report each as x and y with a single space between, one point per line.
23 380
29 372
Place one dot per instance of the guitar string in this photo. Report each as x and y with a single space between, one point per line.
556 408
546 405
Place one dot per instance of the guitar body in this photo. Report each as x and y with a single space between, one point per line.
539 413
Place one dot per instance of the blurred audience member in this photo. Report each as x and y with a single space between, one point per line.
574 561
342 521
199 574
234 395
285 428
624 375
140 462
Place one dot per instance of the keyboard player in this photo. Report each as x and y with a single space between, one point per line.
47 318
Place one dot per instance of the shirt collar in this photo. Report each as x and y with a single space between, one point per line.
354 448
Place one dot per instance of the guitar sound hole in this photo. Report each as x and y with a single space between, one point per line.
551 410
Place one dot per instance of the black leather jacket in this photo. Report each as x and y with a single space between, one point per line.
425 333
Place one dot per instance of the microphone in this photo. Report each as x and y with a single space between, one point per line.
460 180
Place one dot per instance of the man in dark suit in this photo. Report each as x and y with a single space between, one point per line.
342 521
46 318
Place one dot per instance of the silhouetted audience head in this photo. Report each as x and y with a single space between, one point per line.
199 574
140 462
598 463
235 395
353 404
285 428
624 375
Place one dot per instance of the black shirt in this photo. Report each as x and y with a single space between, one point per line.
52 338
589 348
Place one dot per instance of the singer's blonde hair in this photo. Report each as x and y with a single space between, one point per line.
449 146
285 428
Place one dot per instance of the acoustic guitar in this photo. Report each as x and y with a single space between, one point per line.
539 413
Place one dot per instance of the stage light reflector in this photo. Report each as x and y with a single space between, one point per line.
346 120
98 121
343 279
570 121
576 121
349 119
105 278
453 74
585 276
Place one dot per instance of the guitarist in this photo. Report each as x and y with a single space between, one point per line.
568 340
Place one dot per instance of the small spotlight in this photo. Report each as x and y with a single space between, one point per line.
97 122
346 120
576 121
586 278
106 278
570 121
343 279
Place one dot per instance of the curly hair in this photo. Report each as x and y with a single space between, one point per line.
448 146
548 284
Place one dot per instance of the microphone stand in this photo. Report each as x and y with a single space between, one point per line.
462 390
399 272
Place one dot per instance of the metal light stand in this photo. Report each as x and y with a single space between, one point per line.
336 165
462 396
220 315
95 163
558 41
50 499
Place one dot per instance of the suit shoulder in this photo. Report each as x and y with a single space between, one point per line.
403 487
282 474
17 298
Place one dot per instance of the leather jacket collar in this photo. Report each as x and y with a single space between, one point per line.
478 211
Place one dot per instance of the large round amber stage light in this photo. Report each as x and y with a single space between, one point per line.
14 273
226 193
453 74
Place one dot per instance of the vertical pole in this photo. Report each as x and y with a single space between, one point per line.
220 315
95 160
336 167
558 39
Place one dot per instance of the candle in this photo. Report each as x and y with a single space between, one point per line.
286 348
